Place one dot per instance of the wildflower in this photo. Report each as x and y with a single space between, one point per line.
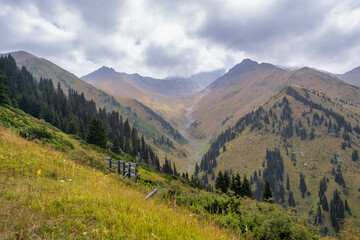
70 180
62 181
39 172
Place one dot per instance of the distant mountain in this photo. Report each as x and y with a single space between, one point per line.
108 78
250 84
202 79
352 77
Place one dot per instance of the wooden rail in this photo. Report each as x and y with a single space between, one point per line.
126 169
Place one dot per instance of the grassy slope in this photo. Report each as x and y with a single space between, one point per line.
50 194
46 193
246 153
253 89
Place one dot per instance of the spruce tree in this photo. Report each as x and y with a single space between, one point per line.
302 185
245 188
96 133
319 217
226 181
219 181
291 200
4 91
355 155
267 194
287 182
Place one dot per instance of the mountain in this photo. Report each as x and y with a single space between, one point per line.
201 80
232 95
352 77
299 131
137 85
148 123
249 85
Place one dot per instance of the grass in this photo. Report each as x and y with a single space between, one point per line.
49 193
45 194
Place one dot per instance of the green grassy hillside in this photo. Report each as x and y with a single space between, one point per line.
58 187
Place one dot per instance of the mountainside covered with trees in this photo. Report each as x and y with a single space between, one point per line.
299 138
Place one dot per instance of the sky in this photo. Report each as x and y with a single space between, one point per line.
161 38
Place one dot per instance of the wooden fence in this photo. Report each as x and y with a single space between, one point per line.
126 169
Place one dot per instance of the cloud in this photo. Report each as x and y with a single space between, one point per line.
160 38
168 58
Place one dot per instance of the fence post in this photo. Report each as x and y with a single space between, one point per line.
129 170
110 164
123 164
136 175
118 167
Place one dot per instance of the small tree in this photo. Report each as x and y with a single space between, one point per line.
267 194
302 185
219 181
355 155
245 188
96 133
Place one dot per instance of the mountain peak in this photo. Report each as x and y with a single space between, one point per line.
106 69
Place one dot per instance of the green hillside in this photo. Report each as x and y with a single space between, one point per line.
316 136
138 115
68 193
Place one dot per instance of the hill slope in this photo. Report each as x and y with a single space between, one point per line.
249 85
315 139
45 193
352 77
130 108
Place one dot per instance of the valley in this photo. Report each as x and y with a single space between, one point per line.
309 118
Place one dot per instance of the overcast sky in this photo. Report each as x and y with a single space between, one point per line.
162 38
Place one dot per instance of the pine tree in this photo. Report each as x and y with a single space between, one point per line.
197 169
302 185
4 91
319 217
355 155
324 203
337 212
96 133
291 200
287 182
267 194
245 188
226 181
219 181
347 208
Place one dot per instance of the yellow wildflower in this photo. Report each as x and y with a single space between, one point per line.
39 172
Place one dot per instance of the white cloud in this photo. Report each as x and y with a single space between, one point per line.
163 38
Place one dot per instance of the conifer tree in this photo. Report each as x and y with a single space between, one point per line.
319 217
4 91
291 200
226 181
245 188
96 133
302 185
355 155
267 194
287 182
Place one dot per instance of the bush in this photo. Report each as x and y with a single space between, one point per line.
36 133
